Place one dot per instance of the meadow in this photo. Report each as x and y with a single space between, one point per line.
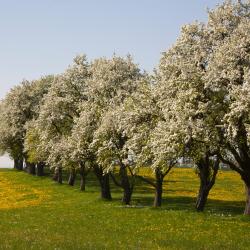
37 213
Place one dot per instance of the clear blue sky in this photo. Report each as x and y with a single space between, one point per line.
42 37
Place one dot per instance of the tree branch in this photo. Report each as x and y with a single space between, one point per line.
115 181
146 180
231 165
167 171
130 171
234 152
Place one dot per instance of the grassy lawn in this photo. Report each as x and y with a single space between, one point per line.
36 213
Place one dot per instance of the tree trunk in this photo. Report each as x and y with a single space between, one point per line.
83 177
127 194
55 175
40 169
247 207
31 168
59 178
16 161
127 189
104 183
245 176
202 198
83 183
18 164
72 177
208 170
105 187
158 188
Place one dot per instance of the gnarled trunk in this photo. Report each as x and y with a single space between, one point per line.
40 168
83 175
31 168
208 170
55 174
104 183
245 176
158 188
202 198
240 162
247 207
127 194
59 178
72 177
83 182
18 164
127 188
105 189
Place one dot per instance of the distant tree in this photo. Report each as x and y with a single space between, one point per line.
56 117
20 106
80 141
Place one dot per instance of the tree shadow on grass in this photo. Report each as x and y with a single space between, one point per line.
183 203
143 196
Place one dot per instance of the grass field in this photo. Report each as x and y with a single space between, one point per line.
36 213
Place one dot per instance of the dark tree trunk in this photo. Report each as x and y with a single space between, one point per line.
72 177
202 198
127 188
16 161
104 183
55 175
247 207
18 164
105 189
245 176
59 178
31 168
208 170
83 175
40 169
240 150
83 183
246 179
127 194
158 188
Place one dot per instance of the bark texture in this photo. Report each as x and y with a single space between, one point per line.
240 160
104 183
72 177
18 164
40 169
208 169
158 188
246 178
59 178
247 207
83 174
125 184
55 174
31 168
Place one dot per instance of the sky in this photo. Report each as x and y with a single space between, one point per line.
42 37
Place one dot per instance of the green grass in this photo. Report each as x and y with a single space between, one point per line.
36 213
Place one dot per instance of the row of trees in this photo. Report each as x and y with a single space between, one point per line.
107 115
